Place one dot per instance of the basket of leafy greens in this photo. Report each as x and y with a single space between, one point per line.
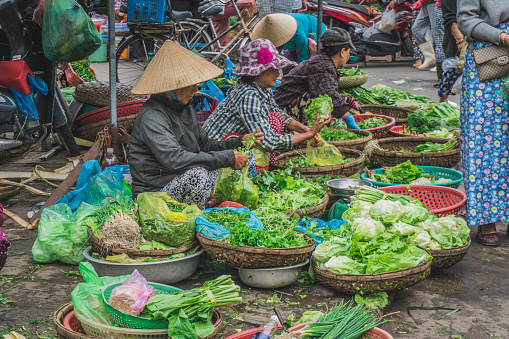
432 117
398 113
392 96
405 131
421 151
378 125
348 138
353 162
352 78
406 173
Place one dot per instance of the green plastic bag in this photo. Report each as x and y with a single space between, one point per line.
159 223
262 157
324 154
68 33
61 234
87 297
232 185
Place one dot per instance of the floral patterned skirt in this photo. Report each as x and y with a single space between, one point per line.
484 144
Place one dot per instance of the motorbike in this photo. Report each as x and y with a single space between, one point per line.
21 53
366 37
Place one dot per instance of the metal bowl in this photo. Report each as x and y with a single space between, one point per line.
346 187
164 272
273 277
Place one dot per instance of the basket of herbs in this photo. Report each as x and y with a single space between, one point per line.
249 247
298 161
348 138
408 174
421 151
351 78
398 113
378 125
405 131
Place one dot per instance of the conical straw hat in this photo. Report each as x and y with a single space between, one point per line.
174 67
279 28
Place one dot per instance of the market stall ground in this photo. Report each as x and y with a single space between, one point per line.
29 293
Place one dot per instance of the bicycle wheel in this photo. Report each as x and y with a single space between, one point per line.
134 55
194 36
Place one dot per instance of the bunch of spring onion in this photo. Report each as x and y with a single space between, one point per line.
342 322
372 195
196 302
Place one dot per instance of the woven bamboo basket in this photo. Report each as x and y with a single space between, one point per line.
372 283
357 144
379 158
378 132
105 250
89 132
353 81
62 331
254 257
398 113
97 93
448 258
315 211
344 169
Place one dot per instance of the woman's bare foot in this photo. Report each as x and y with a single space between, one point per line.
417 63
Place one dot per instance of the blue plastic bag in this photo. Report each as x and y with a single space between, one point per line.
218 232
26 103
334 224
210 88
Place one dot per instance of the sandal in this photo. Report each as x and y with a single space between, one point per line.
488 239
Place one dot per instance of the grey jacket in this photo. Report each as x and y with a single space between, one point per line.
477 19
167 140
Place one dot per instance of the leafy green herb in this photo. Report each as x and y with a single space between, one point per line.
372 123
392 95
321 105
348 73
329 134
225 218
82 69
403 173
363 96
243 235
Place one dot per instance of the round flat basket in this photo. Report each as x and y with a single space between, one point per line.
398 113
437 172
378 132
315 211
97 93
352 81
344 169
358 144
388 154
97 330
439 200
448 258
254 257
104 250
89 132
372 283
396 131
124 109
64 332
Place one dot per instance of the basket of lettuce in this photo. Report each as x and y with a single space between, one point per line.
417 214
244 243
406 173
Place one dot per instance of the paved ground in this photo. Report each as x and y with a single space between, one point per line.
30 293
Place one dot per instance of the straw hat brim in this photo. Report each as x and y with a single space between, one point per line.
279 28
174 67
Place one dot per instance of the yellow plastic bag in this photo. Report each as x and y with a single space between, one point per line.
324 154
262 157
232 185
159 223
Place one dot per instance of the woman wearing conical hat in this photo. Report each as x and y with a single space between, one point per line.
169 151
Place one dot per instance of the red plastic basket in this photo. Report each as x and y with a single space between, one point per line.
396 131
441 201
123 110
72 323
379 132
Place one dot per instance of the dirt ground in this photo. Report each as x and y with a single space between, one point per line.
477 286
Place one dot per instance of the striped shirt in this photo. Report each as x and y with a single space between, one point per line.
244 109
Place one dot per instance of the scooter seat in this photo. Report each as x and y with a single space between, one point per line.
209 11
14 74
178 16
355 7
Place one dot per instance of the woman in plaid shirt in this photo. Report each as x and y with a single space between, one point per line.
249 104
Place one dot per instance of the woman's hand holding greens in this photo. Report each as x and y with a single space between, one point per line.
240 160
259 137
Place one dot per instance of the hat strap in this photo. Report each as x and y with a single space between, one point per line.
174 96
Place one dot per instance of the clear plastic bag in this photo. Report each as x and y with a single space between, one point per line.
450 63
132 296
388 21
232 185
324 154
159 223
68 33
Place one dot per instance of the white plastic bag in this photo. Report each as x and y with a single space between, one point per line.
450 63
456 89
388 21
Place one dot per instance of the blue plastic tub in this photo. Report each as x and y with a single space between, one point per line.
147 11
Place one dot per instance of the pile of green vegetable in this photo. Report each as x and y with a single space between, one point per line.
372 123
331 134
82 69
227 219
392 95
126 259
406 173
223 82
348 73
433 117
303 161
363 96
442 133
320 105
243 235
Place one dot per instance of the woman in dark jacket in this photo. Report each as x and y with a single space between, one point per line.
169 151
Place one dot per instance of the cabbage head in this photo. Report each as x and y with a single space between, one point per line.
366 229
434 245
401 227
420 238
344 265
381 262
414 213
334 247
450 232
386 211
321 105
358 209
426 224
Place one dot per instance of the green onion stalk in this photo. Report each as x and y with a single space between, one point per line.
342 322
372 195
